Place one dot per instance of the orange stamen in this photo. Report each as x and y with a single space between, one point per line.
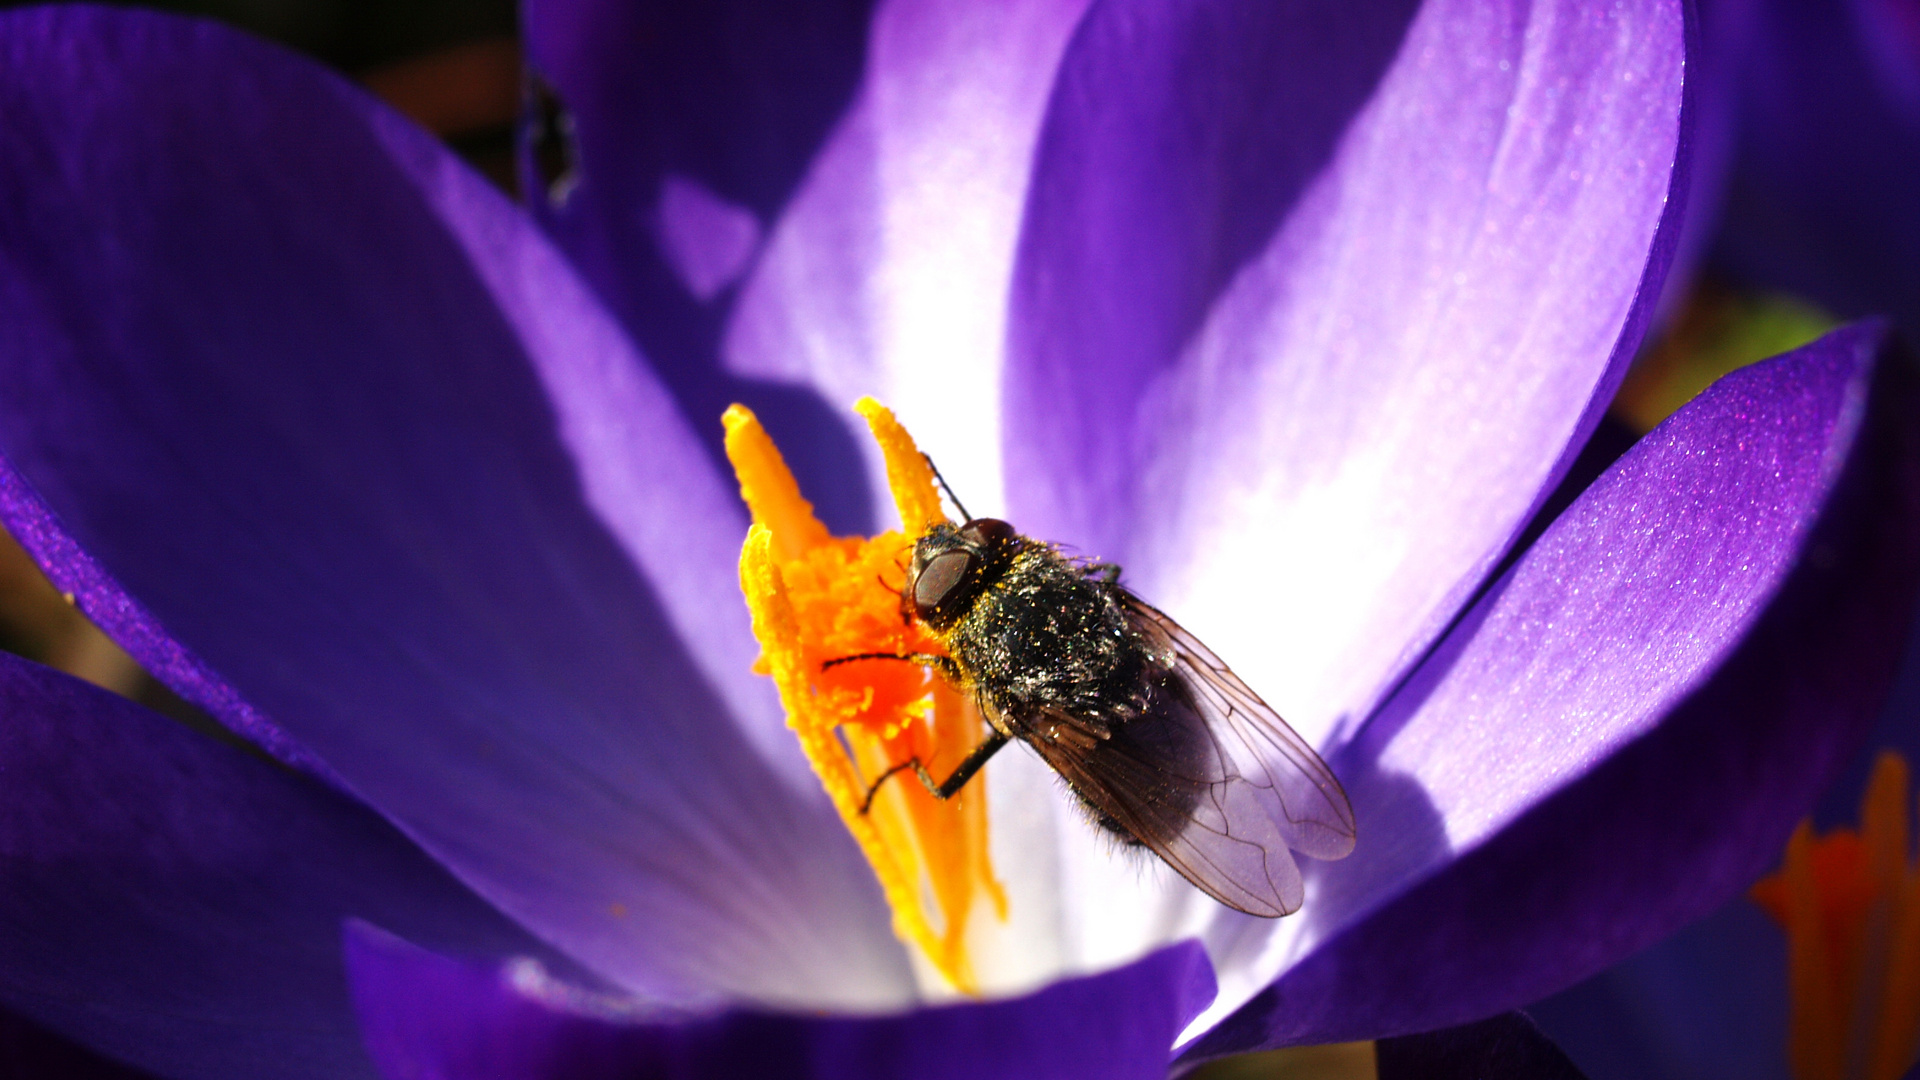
1850 903
814 598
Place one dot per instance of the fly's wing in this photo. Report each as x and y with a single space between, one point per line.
1307 804
1212 780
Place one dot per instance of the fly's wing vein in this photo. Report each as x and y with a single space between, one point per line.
1228 851
1297 790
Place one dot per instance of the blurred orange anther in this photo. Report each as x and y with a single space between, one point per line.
1850 904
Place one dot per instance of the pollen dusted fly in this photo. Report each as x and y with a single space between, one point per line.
1154 735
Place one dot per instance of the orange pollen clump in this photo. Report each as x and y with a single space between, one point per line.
1850 904
815 598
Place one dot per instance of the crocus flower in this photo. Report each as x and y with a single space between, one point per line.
1295 316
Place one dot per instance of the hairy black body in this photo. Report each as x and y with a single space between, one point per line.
1050 634
1051 654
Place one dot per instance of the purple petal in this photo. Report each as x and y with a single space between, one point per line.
1312 310
1504 1047
177 903
1823 198
430 1018
888 272
731 100
1709 1003
692 127
1334 330
380 469
1622 732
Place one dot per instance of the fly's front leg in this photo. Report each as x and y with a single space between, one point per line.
944 664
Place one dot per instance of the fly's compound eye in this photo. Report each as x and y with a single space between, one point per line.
987 533
938 579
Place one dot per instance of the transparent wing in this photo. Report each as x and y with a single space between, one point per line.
1306 802
1212 780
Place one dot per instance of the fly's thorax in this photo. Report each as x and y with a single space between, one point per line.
1050 635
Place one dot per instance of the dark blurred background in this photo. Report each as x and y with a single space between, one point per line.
454 65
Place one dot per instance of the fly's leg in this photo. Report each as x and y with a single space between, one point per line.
942 790
944 664
902 593
948 788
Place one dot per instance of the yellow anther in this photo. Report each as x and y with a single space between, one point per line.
816 598
768 486
908 473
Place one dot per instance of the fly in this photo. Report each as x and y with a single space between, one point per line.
1155 736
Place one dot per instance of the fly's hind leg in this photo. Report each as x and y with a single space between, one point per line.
944 789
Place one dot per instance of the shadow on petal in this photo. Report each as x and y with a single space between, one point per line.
1176 142
428 1017
1504 1047
735 99
31 1052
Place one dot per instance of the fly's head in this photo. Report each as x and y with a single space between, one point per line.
954 565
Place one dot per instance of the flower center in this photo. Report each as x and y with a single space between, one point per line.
817 598
1850 904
